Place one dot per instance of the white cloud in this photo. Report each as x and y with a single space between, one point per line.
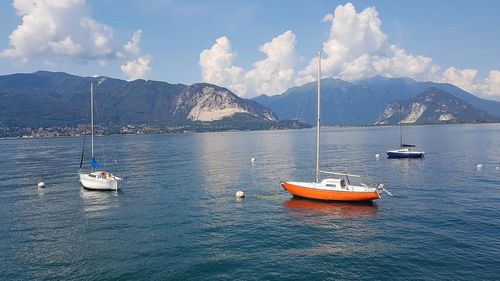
356 48
65 30
465 79
217 66
491 88
132 46
62 28
65 47
275 73
137 69
398 63
272 75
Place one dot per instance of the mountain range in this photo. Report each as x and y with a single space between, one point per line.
47 99
44 99
360 102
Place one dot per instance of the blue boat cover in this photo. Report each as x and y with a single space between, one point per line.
95 164
407 145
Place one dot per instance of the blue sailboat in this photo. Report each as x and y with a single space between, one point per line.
405 150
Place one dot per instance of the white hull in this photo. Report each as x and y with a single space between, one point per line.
99 181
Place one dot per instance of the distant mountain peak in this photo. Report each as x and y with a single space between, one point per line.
432 105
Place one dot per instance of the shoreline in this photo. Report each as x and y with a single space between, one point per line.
239 130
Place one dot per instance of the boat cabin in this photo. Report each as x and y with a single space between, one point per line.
100 175
334 183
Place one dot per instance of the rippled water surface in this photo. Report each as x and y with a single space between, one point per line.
176 217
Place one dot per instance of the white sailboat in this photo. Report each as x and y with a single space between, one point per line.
331 189
96 179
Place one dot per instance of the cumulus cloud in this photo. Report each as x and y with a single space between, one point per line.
65 30
356 48
273 74
132 46
137 69
491 88
467 79
217 66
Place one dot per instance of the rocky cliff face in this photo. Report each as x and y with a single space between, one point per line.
207 103
431 106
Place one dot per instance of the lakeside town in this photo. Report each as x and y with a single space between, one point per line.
80 130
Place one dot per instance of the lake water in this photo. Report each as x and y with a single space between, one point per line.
176 216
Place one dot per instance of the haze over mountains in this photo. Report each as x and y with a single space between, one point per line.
360 102
44 99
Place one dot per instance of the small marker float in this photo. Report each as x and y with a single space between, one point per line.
41 184
240 195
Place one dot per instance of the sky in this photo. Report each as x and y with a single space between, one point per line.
256 47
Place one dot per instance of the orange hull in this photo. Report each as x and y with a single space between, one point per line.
329 195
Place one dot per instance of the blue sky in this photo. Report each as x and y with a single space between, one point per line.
447 41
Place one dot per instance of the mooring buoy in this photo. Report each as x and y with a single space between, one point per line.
240 194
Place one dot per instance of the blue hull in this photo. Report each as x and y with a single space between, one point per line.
405 154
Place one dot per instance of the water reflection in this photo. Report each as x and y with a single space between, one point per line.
98 203
327 210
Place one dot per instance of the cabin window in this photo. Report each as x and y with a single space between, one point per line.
343 184
331 185
90 175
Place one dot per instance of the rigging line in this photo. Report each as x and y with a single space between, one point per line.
83 150
300 110
342 123
85 131
98 114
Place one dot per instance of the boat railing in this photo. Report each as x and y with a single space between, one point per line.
340 174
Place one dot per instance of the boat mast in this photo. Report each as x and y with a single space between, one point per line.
92 115
400 129
317 121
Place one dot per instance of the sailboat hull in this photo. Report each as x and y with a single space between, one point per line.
405 154
89 181
329 195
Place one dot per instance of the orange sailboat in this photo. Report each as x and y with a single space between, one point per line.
331 189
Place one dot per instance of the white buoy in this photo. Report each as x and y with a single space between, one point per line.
479 166
252 159
377 156
41 184
240 194
497 168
